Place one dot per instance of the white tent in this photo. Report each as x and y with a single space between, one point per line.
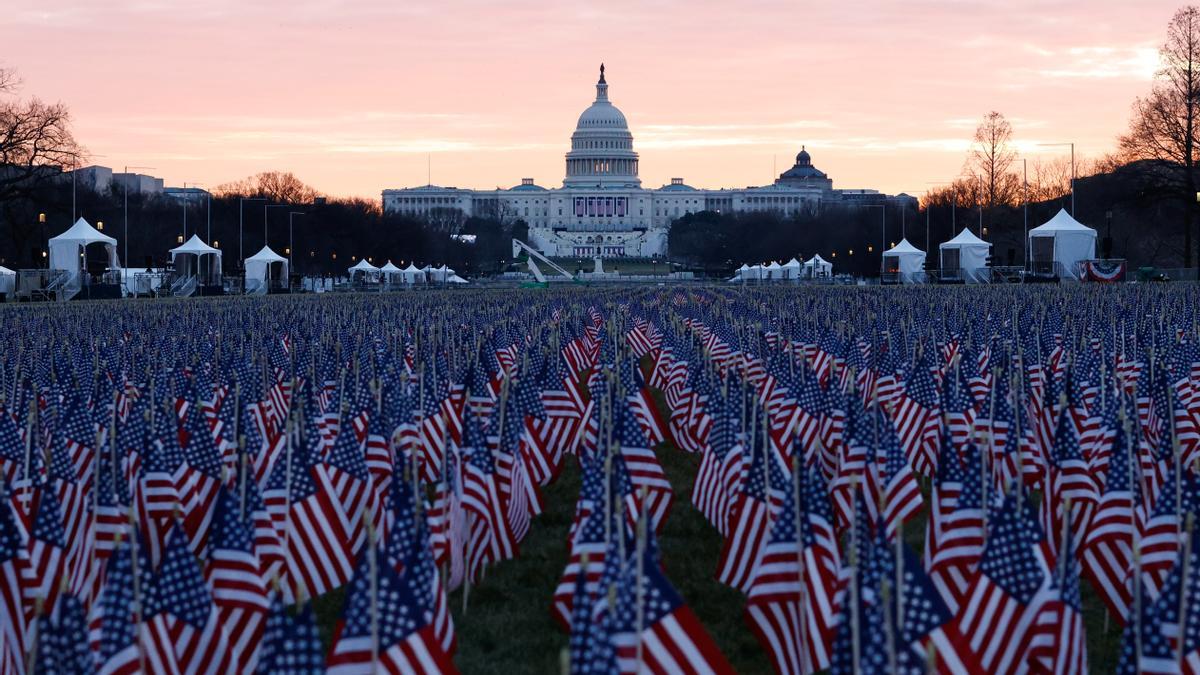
741 274
369 272
391 272
258 269
413 274
905 261
966 255
66 250
791 269
441 275
817 267
774 270
1058 245
455 279
8 281
199 249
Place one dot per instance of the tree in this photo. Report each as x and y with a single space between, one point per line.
35 146
279 186
992 157
1164 122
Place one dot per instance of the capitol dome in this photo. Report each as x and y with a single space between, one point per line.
602 148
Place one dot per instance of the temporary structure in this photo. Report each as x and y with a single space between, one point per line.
791 269
965 257
66 250
774 270
366 270
413 274
817 267
1057 246
8 282
197 249
258 269
391 272
905 261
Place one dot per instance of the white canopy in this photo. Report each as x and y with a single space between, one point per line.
972 253
390 268
790 269
774 270
198 248
363 266
909 261
258 269
1061 243
818 267
8 281
66 248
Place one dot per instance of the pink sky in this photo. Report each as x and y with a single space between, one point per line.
356 98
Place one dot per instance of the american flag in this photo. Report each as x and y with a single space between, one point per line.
45 562
1107 552
961 538
901 493
384 628
310 524
234 574
645 472
654 631
790 601
291 644
12 613
999 616
918 419
750 525
184 631
490 538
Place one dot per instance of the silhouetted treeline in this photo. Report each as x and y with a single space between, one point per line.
329 237
1145 228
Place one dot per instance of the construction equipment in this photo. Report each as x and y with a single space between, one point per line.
518 246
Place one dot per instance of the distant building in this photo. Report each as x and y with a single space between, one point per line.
192 195
95 178
602 208
136 183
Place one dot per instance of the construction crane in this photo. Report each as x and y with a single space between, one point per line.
518 246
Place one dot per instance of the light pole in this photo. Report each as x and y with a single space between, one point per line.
270 206
127 181
1059 145
1025 226
291 246
241 201
882 233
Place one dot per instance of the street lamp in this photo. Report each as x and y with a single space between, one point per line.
1059 145
882 232
270 206
291 246
241 201
125 173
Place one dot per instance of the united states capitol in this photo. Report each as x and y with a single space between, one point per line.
602 210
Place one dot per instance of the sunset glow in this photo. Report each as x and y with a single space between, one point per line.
380 94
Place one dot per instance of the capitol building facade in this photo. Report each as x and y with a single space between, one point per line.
603 210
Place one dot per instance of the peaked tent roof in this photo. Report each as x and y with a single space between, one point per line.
773 266
389 267
965 238
791 263
266 255
413 268
194 245
82 231
1061 222
817 260
364 266
902 248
